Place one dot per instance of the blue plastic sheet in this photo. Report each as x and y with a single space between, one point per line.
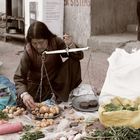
8 88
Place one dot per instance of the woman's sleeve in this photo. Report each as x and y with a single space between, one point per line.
20 76
74 55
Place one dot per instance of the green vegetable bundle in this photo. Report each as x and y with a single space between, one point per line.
120 112
114 107
32 135
3 115
114 133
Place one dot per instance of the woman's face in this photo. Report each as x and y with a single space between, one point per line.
40 45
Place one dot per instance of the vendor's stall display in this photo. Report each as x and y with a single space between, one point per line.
69 123
85 103
120 112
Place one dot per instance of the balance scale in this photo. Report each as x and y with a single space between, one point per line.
66 50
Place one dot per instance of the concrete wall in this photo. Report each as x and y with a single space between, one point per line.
84 18
77 20
112 16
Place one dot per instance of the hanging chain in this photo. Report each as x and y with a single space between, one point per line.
88 73
39 90
53 98
41 80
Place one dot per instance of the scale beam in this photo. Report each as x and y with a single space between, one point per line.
66 50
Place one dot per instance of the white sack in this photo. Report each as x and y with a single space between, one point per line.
123 76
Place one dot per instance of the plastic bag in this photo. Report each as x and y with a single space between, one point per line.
121 117
6 98
7 93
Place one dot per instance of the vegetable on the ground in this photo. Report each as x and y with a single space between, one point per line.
114 133
28 127
3 115
32 135
114 107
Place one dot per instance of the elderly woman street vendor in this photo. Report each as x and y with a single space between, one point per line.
35 83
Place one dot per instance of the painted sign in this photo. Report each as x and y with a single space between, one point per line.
77 2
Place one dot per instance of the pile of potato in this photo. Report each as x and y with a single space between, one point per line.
45 111
44 123
78 119
14 111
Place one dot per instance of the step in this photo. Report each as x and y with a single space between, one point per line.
108 43
132 28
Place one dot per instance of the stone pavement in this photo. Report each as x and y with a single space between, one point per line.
94 65
9 57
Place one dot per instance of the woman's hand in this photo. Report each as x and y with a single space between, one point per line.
68 40
29 101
